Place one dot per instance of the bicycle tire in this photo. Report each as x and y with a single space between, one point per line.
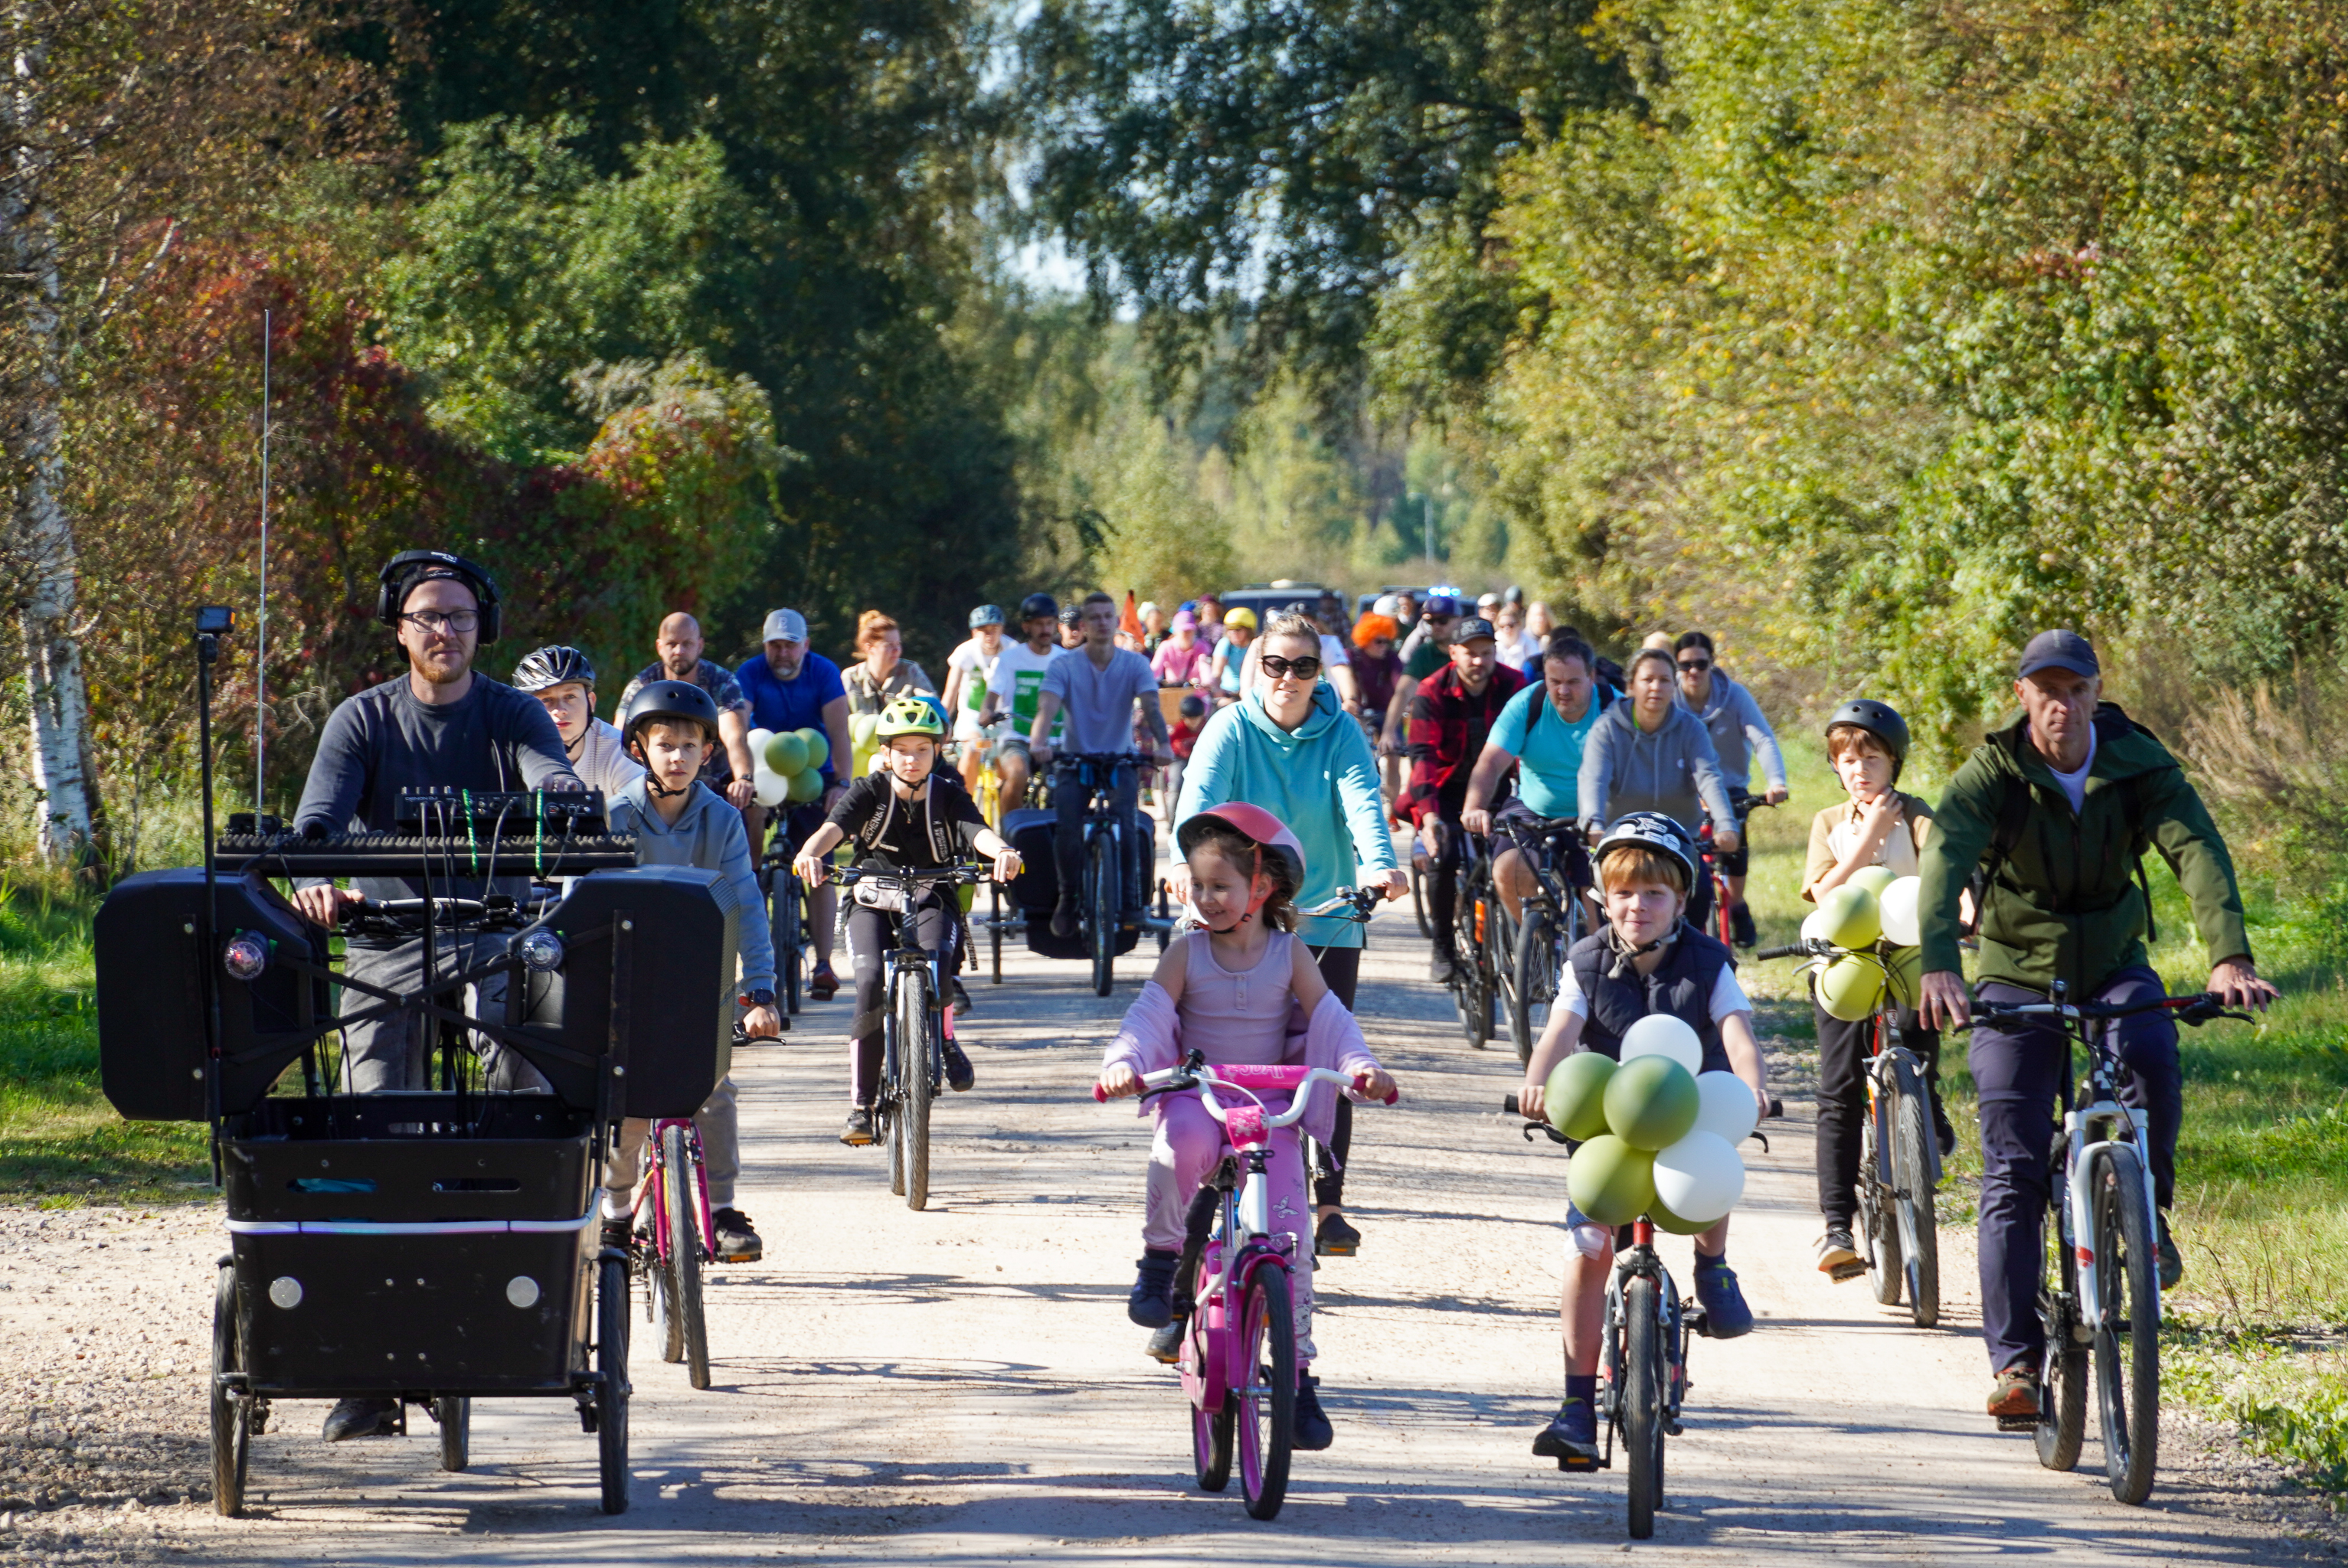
680 1194
1920 1235
2063 1383
994 927
1100 887
231 1418
455 1415
891 1099
1267 1422
918 1064
1642 1403
1879 1217
1418 901
790 949
1535 981
612 1383
1212 1433
2128 1327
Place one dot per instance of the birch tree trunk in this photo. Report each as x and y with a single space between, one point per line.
43 542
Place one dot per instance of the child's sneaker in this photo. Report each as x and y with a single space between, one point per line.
1152 1303
1166 1344
1333 1237
959 1077
1311 1431
1726 1315
1740 925
823 985
1839 1254
1572 1435
736 1241
857 1131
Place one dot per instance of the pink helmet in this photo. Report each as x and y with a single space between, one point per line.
1266 831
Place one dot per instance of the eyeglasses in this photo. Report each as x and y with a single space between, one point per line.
433 622
1694 666
1279 669
1435 620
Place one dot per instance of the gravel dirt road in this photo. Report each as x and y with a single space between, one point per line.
961 1385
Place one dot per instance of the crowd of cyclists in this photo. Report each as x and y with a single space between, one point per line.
1288 750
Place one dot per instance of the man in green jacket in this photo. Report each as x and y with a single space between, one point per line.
2063 905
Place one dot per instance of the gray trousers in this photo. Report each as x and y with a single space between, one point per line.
391 1053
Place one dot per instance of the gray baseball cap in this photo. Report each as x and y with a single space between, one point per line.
785 626
2059 651
1473 627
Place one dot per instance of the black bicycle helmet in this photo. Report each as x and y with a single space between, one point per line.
670 700
1649 830
1879 719
1037 604
552 666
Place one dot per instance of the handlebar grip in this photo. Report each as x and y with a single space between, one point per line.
1100 1095
1796 951
1776 1107
1508 1104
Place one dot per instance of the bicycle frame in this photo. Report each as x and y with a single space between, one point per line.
654 1187
1639 1260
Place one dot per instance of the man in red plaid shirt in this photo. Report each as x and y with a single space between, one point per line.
1450 713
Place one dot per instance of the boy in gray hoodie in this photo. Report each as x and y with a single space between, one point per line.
670 727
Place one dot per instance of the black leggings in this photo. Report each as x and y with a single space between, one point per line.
871 934
1342 969
1842 1100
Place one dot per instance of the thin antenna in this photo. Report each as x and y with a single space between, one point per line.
260 651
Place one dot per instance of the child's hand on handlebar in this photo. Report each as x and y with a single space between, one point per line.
1376 1084
1530 1101
1118 1082
1006 864
810 869
761 1023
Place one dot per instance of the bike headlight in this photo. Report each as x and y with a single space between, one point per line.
244 956
541 950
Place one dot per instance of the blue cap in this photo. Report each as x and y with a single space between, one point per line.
2059 651
1439 604
986 615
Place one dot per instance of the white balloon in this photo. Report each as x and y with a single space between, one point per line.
758 739
767 785
1700 1177
1660 1034
1814 927
1898 905
1724 1108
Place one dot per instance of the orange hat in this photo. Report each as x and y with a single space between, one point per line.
1372 627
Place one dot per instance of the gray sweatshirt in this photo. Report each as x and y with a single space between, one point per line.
1674 771
1739 733
383 741
708 833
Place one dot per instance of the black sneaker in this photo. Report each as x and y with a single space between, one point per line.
362 1419
857 1131
1312 1430
1333 1237
959 1077
1151 1302
2172 1262
956 995
1064 918
1440 969
737 1242
1740 925
1572 1435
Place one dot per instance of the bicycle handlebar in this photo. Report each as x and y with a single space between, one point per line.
969 873
1206 1077
1361 900
2192 1010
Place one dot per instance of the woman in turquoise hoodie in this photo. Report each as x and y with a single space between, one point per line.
1287 747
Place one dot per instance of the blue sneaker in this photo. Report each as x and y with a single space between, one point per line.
1572 1435
1723 1304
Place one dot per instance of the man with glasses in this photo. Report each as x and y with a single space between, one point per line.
1739 733
1452 714
1099 684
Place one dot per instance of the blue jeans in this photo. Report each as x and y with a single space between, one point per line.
2019 1071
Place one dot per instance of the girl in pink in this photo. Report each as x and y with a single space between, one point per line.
1244 991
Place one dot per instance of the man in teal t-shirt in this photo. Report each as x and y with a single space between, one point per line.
1541 734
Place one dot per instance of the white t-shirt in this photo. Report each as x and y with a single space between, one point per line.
604 763
2076 784
1727 996
977 675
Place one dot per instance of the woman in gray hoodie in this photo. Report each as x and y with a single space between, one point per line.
1650 753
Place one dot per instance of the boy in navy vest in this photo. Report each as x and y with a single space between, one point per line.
1646 959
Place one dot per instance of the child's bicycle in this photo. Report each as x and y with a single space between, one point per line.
1899 1159
1642 1356
786 917
681 1235
2105 1296
1232 1302
1721 916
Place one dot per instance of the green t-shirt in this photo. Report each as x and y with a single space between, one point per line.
1425 660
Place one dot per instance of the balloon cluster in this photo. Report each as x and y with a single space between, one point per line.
863 739
1658 1138
1873 907
788 766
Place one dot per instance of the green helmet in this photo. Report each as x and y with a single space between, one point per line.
909 716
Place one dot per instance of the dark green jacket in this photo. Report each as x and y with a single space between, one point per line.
2065 905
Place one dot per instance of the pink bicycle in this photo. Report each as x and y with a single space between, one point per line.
670 1254
1239 1338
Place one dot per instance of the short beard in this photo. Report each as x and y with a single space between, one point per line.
431 676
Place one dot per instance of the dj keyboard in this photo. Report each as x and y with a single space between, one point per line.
419 854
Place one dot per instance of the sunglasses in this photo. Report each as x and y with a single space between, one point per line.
1279 669
1695 666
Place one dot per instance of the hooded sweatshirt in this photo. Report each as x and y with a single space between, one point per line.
1740 736
1319 779
1674 771
708 835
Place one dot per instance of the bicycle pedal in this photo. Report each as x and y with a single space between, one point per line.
1698 1321
1577 1462
2017 1423
1843 1273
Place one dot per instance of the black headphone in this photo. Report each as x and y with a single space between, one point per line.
390 592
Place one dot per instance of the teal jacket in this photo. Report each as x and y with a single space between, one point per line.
1321 780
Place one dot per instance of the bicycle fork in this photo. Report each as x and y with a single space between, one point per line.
2077 1128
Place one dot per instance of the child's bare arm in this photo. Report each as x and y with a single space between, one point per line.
1744 1056
1172 965
1304 977
1555 1043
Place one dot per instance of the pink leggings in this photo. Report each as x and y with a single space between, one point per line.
1189 1145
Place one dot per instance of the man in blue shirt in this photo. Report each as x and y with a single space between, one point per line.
1543 727
789 687
1098 684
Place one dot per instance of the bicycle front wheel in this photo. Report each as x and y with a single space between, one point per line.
1642 1402
1267 1406
1920 1235
1879 1208
688 1336
1535 984
1419 900
2128 1324
789 947
917 1064
1100 882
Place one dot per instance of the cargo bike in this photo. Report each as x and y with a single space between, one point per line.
438 1244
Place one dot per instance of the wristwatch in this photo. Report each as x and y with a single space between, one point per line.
760 997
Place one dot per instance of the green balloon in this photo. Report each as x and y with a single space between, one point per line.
1667 1221
1651 1101
1874 878
803 788
818 746
1610 1182
787 753
1575 1097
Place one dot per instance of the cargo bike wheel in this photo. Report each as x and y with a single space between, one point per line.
611 1400
232 1409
